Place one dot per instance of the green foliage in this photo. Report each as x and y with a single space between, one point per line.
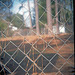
43 9
16 19
3 25
53 8
66 10
42 18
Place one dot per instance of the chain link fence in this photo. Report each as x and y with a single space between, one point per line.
36 37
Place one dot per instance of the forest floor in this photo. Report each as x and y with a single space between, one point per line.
62 45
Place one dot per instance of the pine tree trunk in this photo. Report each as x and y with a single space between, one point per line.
37 17
49 17
30 16
56 8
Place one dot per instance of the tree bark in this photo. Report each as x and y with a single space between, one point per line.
30 15
56 9
37 17
49 17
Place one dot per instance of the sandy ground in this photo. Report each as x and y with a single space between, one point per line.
62 49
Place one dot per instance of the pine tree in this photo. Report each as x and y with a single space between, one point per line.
56 8
30 15
49 17
37 17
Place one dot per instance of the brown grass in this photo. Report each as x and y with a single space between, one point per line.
31 38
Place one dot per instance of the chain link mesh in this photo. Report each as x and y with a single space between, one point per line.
25 52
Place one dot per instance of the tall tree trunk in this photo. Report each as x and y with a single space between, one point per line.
37 17
30 15
49 17
56 9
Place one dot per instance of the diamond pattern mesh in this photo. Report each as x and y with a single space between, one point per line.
28 44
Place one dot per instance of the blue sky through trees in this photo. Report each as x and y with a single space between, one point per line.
21 7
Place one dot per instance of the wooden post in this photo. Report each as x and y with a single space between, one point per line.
24 46
42 63
33 59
